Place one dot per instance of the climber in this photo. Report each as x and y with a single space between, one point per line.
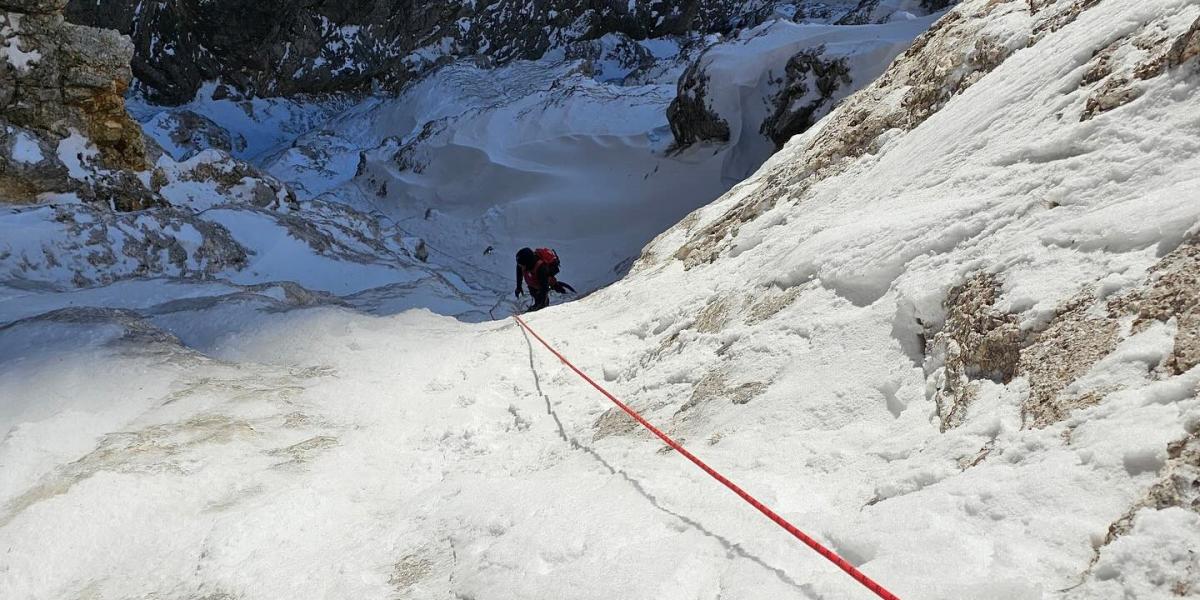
538 269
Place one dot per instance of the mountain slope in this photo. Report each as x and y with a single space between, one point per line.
573 150
277 48
950 331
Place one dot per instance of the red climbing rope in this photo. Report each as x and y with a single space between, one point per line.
829 555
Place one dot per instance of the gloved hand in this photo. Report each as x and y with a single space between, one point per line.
562 288
518 292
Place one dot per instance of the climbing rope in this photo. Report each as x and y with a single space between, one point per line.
829 555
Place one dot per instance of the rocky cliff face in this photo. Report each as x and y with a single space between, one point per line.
803 79
277 47
60 86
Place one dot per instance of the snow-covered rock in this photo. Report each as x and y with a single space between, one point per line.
183 133
774 81
882 11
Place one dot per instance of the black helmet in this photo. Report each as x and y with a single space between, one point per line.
525 256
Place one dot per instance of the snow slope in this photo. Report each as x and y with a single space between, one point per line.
798 333
572 150
571 160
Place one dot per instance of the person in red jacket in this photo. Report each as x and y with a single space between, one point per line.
537 268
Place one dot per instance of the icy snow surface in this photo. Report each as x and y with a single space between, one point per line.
247 441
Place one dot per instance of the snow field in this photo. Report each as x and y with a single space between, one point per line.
238 449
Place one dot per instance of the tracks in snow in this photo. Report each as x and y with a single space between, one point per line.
729 546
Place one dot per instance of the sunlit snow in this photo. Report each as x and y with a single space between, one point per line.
319 424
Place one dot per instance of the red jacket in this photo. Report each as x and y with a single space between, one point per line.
537 278
540 276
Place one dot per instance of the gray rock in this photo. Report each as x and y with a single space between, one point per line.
944 61
280 47
72 81
77 83
33 6
613 58
868 11
691 118
805 95
23 180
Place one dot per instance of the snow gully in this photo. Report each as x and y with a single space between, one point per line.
828 554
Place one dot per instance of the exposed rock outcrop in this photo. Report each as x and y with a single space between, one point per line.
980 341
94 245
62 109
1057 356
1179 485
1173 292
800 74
1117 72
871 11
190 133
977 342
806 93
691 118
67 136
278 47
614 57
920 75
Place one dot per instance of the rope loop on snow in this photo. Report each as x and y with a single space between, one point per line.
829 555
